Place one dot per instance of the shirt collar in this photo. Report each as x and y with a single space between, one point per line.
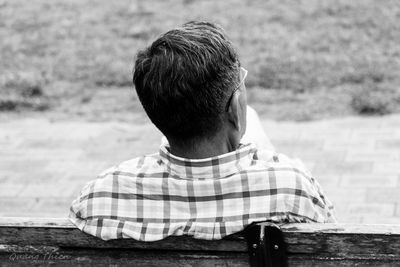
214 167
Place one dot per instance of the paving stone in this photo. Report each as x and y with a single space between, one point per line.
16 165
391 121
390 144
371 210
48 190
11 189
358 123
16 206
397 210
375 156
373 219
342 167
39 143
383 195
278 134
21 177
369 180
375 133
8 176
392 167
367 145
57 206
341 197
50 153
350 218
320 156
324 134
328 180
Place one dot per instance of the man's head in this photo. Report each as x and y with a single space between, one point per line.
186 80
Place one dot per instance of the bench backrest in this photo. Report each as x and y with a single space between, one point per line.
35 241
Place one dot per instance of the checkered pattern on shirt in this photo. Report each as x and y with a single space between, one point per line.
155 196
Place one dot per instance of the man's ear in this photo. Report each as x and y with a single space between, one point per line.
234 112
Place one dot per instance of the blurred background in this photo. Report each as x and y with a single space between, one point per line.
307 60
323 75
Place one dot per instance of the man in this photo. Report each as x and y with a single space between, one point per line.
204 181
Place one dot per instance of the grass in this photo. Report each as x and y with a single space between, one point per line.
375 99
23 90
306 59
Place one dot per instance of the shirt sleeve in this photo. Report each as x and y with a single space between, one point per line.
86 208
316 204
78 210
330 213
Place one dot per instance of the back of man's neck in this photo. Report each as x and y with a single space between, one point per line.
203 149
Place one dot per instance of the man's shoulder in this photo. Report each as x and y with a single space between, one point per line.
284 168
278 160
133 166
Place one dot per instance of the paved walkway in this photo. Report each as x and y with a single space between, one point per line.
43 164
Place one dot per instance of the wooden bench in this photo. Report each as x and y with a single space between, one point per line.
45 241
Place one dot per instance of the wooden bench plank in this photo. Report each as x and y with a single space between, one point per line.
343 240
126 257
122 257
316 244
61 232
342 228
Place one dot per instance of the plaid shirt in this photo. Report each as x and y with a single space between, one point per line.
155 196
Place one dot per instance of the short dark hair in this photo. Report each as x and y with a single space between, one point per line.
184 79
